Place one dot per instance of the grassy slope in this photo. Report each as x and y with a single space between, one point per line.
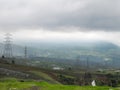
13 83
31 70
44 76
6 84
45 86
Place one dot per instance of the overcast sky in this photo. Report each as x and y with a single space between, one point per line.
61 19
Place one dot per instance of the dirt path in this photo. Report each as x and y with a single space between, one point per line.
33 88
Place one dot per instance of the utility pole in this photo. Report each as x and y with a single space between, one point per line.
25 52
87 76
87 64
77 62
8 46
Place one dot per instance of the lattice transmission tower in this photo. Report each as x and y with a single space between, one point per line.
8 46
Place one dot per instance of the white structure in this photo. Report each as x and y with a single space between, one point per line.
93 83
57 68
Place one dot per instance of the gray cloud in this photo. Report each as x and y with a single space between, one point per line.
52 14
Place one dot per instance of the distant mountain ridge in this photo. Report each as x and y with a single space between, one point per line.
59 49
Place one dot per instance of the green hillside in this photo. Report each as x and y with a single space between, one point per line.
13 84
20 77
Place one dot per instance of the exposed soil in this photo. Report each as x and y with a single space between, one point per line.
33 88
